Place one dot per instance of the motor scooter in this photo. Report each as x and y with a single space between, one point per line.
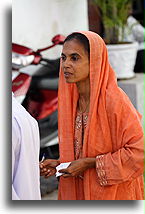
38 92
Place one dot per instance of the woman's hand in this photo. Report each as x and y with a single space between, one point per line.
48 167
77 167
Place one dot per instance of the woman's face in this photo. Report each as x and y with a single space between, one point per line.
75 62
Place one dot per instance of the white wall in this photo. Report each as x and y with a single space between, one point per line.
35 22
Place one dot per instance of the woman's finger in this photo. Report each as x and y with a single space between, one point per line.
66 175
50 174
45 173
41 165
43 170
63 170
50 163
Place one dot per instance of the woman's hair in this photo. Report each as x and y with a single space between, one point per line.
81 39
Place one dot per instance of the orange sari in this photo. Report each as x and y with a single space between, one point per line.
113 135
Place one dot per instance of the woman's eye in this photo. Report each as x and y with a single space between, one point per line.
63 58
74 58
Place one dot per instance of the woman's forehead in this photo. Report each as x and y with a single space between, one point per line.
73 46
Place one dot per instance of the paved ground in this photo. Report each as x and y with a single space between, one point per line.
51 196
49 188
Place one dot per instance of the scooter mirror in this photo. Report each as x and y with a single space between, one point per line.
58 39
20 49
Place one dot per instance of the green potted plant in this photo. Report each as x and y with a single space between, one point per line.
114 18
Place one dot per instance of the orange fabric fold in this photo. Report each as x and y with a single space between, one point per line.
113 130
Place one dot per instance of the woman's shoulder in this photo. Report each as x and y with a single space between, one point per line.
117 99
115 95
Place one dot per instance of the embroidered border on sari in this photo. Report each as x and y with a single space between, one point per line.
100 170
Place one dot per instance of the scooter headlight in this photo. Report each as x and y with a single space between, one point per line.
19 60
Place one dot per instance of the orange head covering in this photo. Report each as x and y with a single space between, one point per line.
98 135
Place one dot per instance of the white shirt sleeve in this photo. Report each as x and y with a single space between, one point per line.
15 155
25 155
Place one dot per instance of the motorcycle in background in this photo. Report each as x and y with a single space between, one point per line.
38 93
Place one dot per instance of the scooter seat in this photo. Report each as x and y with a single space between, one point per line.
44 83
48 68
46 75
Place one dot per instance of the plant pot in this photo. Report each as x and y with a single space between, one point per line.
122 58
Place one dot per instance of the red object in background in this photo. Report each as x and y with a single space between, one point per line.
23 50
21 84
40 101
44 106
20 49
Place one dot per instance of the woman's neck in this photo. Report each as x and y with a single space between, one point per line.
84 89
84 95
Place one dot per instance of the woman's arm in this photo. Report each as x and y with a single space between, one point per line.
77 167
126 161
122 165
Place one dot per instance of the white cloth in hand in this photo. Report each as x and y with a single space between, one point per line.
61 166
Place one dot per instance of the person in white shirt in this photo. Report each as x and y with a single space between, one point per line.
25 154
134 32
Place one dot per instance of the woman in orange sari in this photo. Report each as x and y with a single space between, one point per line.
100 131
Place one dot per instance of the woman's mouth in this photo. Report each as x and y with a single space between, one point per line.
67 74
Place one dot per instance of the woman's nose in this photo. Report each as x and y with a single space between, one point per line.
66 63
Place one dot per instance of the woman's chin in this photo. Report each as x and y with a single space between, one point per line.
69 80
